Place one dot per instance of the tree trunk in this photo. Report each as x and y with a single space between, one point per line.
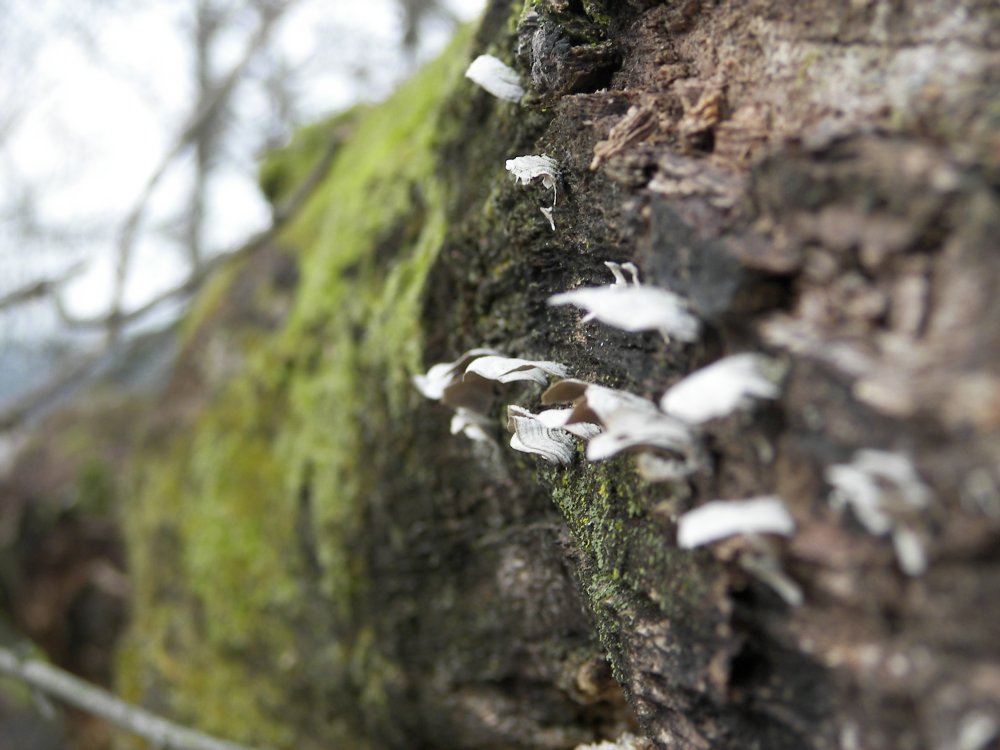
316 559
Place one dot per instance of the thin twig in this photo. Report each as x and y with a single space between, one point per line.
284 211
40 288
29 404
282 214
76 692
207 109
37 399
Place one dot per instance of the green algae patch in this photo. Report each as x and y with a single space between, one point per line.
245 524
214 591
612 516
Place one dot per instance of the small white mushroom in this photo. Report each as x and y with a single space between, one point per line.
532 167
595 403
440 376
976 731
510 369
721 519
560 418
547 213
654 467
471 424
635 308
618 269
628 430
898 470
720 389
909 551
496 77
859 489
467 385
629 421
625 742
884 492
530 435
766 567
877 484
528 168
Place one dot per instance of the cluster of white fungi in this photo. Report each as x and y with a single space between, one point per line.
881 489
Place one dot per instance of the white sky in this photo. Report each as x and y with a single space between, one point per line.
96 113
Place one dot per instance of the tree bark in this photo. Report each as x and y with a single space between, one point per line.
819 182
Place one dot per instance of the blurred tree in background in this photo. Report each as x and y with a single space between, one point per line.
129 140
130 137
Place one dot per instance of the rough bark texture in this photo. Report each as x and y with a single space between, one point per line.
316 560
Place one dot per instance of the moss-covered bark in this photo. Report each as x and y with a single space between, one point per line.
316 562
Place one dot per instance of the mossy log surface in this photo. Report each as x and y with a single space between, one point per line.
316 562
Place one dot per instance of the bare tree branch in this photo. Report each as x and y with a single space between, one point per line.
207 24
288 208
190 285
49 391
282 213
204 114
40 288
76 692
31 403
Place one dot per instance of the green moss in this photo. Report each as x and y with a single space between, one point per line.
96 488
598 12
211 296
611 514
259 524
282 171
234 624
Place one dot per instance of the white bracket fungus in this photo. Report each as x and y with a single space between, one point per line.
618 269
765 566
465 385
877 484
628 430
720 389
634 307
437 379
553 418
530 435
528 168
471 424
883 489
654 467
493 75
625 742
510 369
594 403
447 381
721 519
629 421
